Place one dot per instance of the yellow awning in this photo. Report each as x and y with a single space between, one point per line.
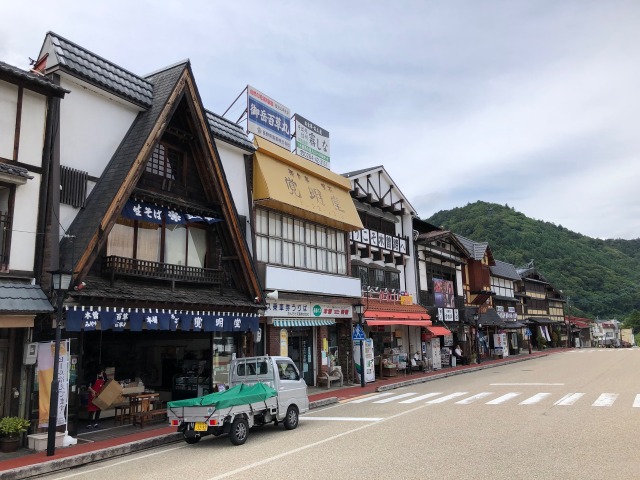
296 186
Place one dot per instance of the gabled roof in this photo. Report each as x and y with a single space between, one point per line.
24 298
504 270
442 235
229 132
90 228
88 66
531 273
35 81
476 250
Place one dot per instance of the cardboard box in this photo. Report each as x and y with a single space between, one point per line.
109 395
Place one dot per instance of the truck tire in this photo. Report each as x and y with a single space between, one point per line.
239 431
291 419
192 440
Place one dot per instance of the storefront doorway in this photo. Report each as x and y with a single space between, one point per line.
4 353
301 352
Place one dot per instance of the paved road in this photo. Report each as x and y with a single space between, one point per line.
572 415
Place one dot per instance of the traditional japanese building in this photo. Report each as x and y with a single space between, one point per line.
164 288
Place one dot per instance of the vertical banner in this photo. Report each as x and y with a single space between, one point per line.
46 353
284 343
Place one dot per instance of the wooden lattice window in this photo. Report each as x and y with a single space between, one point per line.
165 162
73 186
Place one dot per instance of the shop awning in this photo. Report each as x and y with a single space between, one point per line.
373 317
137 319
408 323
303 322
438 330
299 187
23 299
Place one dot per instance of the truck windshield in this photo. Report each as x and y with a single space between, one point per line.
287 370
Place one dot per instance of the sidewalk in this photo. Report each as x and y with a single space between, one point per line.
26 463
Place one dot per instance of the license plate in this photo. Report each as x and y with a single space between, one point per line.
200 427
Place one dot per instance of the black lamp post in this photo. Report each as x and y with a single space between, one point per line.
61 283
359 309
476 317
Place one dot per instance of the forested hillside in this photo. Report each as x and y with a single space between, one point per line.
601 277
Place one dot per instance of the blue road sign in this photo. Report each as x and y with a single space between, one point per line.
358 333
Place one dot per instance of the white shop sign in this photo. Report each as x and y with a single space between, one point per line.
296 309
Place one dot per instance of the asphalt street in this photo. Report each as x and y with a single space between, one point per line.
571 415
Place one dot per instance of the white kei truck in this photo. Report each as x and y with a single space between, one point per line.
262 390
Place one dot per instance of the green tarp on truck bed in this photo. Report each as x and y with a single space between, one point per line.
238 395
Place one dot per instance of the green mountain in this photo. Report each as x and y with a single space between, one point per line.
601 277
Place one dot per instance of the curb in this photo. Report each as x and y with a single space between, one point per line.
322 403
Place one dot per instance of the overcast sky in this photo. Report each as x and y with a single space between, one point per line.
533 104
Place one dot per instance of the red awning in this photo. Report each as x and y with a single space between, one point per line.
438 330
374 317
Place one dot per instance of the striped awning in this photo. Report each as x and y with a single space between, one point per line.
303 322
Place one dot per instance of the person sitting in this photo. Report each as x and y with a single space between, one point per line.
457 353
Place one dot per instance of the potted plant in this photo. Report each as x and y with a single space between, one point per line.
11 430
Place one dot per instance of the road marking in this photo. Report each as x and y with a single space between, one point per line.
636 402
342 419
367 399
569 399
397 397
447 397
605 400
527 384
503 398
473 398
421 397
535 399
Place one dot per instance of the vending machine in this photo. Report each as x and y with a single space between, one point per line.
369 370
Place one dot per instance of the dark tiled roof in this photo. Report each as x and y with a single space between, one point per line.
504 270
474 249
88 220
14 170
355 173
94 69
38 81
23 298
131 294
229 132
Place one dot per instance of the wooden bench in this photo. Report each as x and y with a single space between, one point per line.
140 418
331 376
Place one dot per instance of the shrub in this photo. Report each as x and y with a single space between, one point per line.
11 427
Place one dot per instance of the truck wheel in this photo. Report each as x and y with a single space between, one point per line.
192 440
239 431
291 419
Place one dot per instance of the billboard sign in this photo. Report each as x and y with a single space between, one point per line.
312 142
268 119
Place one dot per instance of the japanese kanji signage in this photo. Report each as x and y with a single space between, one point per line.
510 314
291 308
312 142
380 240
268 119
149 212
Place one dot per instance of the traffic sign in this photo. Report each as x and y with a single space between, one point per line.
358 333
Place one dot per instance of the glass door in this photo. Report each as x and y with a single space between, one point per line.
301 352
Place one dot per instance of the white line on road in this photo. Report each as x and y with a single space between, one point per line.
636 402
367 399
605 400
535 399
447 397
343 419
396 397
503 398
473 398
527 384
569 399
421 397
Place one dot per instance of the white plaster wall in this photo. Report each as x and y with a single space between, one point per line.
8 108
24 234
68 213
32 128
410 266
92 126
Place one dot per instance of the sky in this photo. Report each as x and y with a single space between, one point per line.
529 103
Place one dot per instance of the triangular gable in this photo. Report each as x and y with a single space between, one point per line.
364 185
90 229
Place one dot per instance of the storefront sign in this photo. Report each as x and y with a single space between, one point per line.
312 142
46 352
292 308
380 240
268 119
149 212
510 314
406 300
284 343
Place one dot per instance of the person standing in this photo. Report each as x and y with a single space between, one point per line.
94 391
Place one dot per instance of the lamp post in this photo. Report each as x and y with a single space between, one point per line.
61 282
476 317
359 309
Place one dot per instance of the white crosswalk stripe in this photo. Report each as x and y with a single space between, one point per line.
397 397
605 400
368 399
535 399
446 398
504 398
473 398
569 399
636 402
421 397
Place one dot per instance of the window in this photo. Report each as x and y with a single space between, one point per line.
165 162
7 196
284 240
287 370
73 186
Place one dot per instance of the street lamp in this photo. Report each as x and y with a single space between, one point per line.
61 283
359 309
476 317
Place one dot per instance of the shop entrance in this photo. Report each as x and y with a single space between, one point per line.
301 352
4 353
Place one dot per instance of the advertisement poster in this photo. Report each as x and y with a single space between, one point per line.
46 353
268 119
312 142
443 293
